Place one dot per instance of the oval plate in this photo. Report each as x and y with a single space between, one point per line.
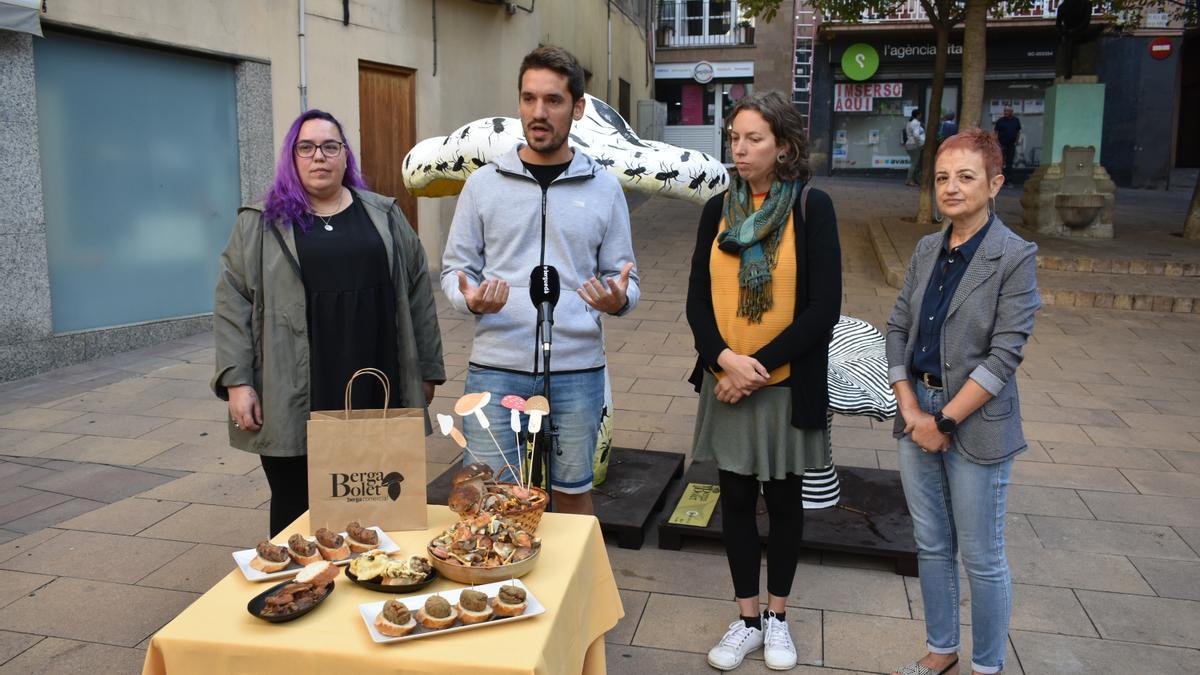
259 601
393 588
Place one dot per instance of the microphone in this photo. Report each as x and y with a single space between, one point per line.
544 289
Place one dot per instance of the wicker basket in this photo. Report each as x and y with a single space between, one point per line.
528 518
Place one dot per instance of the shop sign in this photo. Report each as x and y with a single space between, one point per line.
921 51
720 70
1032 52
853 104
860 61
889 161
861 97
1160 48
871 90
703 72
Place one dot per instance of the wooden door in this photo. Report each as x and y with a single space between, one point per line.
388 121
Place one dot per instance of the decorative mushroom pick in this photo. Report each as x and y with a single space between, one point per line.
516 406
473 404
446 425
536 407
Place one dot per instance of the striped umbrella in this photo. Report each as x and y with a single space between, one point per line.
858 381
858 385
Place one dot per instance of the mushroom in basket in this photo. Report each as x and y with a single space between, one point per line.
484 541
474 492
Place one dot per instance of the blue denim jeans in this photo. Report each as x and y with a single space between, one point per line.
958 505
576 407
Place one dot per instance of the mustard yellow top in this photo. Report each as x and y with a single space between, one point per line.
742 336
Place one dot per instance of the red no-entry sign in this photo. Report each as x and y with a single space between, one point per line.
1160 48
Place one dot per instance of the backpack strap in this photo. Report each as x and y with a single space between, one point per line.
287 252
804 201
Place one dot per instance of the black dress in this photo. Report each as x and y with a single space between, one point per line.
351 307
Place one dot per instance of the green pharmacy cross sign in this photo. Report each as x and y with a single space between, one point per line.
860 61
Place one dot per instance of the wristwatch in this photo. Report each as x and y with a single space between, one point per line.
946 425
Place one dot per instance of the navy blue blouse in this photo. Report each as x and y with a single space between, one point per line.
947 273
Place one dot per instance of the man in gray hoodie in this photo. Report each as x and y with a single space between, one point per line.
542 203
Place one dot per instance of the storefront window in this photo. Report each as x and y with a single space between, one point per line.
688 103
1027 98
868 124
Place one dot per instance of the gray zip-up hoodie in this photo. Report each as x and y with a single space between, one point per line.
497 234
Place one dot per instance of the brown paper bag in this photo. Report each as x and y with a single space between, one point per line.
367 465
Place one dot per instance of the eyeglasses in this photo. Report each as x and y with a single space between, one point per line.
307 149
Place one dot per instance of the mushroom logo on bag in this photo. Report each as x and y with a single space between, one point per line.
392 482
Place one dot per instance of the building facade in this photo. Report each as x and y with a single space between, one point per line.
708 55
140 128
869 76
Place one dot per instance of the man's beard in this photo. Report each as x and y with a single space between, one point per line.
551 145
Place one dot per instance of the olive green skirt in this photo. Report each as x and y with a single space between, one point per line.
755 436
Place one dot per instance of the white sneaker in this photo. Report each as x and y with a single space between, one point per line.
738 641
780 653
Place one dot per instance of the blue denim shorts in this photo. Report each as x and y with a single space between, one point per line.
576 406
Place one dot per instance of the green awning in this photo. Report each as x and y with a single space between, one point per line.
21 15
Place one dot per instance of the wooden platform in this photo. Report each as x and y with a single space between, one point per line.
871 519
637 486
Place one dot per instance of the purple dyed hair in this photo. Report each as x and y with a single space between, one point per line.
287 201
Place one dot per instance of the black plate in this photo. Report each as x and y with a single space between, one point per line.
392 588
259 601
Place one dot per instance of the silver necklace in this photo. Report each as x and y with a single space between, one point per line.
324 219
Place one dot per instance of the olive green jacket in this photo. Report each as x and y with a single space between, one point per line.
260 324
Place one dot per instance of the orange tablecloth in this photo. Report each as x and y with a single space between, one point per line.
573 579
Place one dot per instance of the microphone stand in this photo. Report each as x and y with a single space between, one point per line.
549 444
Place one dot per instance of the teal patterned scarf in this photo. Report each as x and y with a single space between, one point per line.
756 235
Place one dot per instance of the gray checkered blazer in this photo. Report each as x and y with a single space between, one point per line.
990 318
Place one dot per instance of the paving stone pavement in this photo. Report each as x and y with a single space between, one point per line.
117 490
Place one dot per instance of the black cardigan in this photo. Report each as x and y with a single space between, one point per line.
804 343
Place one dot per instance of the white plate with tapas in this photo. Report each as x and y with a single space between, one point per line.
370 611
243 559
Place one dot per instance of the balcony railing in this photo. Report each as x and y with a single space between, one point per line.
702 23
912 10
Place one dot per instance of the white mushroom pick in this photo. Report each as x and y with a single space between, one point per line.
446 425
536 407
469 404
516 405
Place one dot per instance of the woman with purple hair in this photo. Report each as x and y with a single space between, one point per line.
322 279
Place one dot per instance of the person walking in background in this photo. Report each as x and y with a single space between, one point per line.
914 140
1008 132
321 280
764 294
954 342
948 127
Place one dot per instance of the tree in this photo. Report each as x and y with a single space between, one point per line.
974 63
943 15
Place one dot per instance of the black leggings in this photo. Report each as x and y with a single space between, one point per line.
288 478
785 509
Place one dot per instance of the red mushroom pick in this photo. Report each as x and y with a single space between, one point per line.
513 402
